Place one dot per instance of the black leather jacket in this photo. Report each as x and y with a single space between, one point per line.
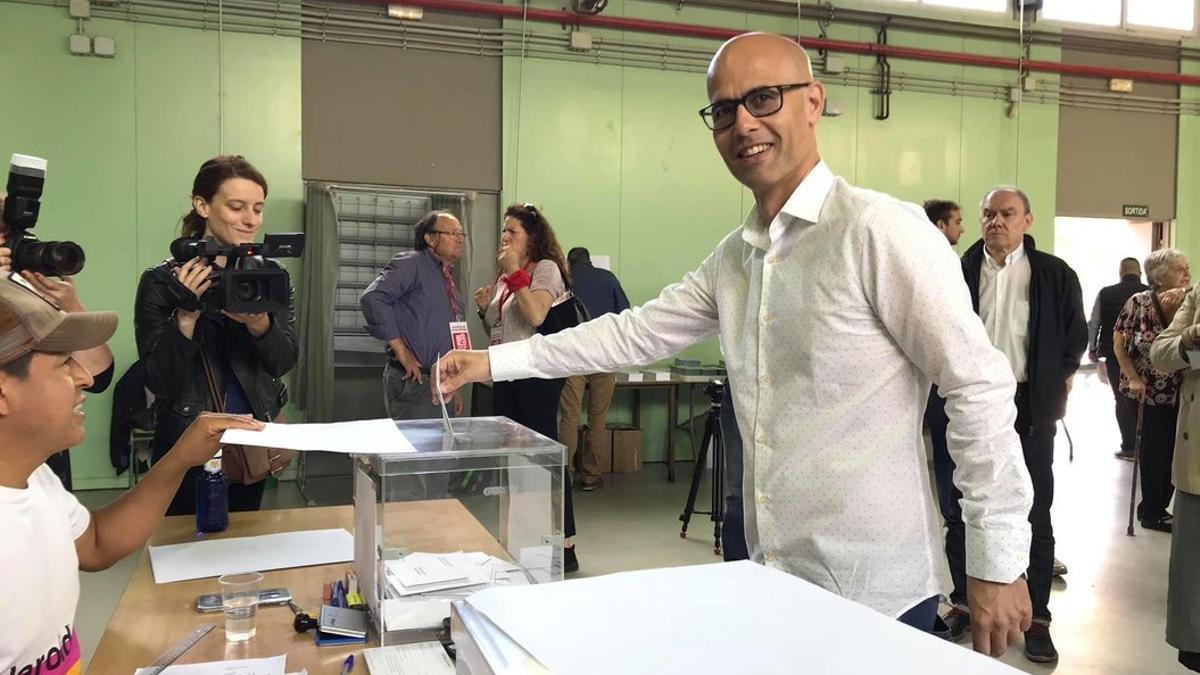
172 363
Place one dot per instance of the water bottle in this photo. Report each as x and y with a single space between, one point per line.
212 498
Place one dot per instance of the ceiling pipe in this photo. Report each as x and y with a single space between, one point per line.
840 46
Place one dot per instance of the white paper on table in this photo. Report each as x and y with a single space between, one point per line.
418 658
414 575
475 577
283 550
415 613
374 437
273 665
723 618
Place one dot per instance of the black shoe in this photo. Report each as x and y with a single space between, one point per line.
940 629
1127 456
957 622
1060 570
1190 660
1164 524
570 562
593 484
1039 648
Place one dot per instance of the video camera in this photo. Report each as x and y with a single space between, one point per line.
235 289
26 177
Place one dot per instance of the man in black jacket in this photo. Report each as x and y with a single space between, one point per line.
1109 302
1032 308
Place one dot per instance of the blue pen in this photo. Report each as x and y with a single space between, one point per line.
341 594
348 665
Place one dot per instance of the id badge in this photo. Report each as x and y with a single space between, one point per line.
460 337
497 335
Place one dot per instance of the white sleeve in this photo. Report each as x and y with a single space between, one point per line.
683 314
78 516
915 283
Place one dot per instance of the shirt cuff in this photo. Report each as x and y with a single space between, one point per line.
511 361
999 556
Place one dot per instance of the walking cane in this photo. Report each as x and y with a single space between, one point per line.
1137 453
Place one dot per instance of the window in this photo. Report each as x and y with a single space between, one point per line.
1094 12
981 5
1168 14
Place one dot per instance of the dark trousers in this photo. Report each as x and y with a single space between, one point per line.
733 525
1125 407
60 464
921 616
241 497
534 403
943 466
1157 453
1037 444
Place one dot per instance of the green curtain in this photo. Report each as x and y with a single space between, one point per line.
314 372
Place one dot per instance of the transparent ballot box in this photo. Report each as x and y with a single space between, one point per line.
479 508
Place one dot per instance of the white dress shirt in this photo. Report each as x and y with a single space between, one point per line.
1004 307
833 320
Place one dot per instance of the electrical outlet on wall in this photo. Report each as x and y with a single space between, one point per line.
104 46
80 45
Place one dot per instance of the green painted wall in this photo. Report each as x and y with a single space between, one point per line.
124 137
1187 199
622 164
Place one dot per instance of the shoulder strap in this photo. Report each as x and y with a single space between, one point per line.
1158 310
218 401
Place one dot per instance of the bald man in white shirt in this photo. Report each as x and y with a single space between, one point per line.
837 307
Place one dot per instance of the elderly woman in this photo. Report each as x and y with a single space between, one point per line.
1144 317
1177 349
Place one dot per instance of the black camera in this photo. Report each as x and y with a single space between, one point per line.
26 177
234 288
715 389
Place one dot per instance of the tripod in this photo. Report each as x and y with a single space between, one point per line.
712 439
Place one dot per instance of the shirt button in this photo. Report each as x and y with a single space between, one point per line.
772 558
1185 435
766 378
766 317
762 498
762 438
771 260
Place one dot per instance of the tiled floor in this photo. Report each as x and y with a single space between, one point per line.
1108 610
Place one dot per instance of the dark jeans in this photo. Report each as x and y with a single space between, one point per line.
534 403
241 497
1126 408
1157 453
921 616
943 466
60 464
733 526
406 399
1037 443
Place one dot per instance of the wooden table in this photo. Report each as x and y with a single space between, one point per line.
151 617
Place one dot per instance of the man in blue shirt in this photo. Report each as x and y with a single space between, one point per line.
602 294
414 306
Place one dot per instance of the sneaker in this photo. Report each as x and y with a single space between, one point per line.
590 484
1060 570
570 562
1039 648
1127 456
958 622
1164 524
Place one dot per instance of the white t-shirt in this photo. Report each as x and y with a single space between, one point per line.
38 528
513 324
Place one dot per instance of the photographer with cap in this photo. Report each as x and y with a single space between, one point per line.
98 361
188 354
48 536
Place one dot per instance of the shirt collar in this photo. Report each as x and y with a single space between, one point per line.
436 260
1011 258
804 205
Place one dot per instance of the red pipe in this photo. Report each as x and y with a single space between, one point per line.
840 46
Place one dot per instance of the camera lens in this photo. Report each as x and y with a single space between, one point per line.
246 291
64 257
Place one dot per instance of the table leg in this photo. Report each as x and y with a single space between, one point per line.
637 407
672 420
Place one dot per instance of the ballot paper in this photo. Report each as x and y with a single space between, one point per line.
418 658
374 437
437 387
447 575
269 666
415 613
282 550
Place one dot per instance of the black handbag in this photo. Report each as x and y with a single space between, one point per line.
568 313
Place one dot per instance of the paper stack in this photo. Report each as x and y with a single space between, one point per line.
422 585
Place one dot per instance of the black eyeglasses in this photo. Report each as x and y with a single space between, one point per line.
759 102
459 235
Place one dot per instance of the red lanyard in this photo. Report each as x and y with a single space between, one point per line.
452 293
505 295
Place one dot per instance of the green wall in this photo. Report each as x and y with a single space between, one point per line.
1187 201
124 137
622 164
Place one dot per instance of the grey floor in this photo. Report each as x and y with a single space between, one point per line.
1108 611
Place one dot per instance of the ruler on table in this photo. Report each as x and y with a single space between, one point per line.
180 648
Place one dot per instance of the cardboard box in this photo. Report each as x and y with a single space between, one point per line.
626 450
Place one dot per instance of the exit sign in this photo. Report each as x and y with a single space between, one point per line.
1135 211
